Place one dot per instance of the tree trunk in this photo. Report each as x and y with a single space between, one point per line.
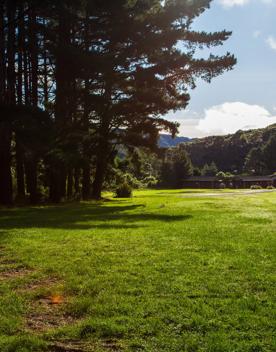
6 191
11 75
57 183
103 150
70 184
77 181
101 163
19 153
6 194
32 162
62 93
20 175
86 182
99 178
20 56
26 75
45 71
31 173
2 55
34 56
54 193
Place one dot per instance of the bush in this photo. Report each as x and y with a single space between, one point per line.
132 181
124 191
270 187
221 175
150 181
255 187
117 178
222 185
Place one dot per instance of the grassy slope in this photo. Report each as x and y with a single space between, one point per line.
158 272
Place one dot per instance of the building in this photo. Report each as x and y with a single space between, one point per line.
248 181
202 182
235 182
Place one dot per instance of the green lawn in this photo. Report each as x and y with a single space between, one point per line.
163 271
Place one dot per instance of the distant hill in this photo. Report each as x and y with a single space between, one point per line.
228 152
166 141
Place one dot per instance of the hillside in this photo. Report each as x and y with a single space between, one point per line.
228 152
166 141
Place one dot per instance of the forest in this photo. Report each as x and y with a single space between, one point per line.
76 88
245 152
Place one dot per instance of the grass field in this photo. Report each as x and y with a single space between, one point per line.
163 271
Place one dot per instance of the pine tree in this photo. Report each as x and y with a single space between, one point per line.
102 85
141 73
209 170
269 152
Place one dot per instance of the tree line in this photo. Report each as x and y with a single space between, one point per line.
245 152
79 79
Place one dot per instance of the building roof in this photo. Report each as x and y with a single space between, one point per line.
269 178
202 178
257 178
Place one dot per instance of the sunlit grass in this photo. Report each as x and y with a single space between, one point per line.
163 271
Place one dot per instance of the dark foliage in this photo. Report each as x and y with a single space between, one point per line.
237 153
175 168
124 191
78 86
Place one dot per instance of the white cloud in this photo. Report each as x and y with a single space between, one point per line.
222 119
271 41
231 117
232 3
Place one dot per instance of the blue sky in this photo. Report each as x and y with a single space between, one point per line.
245 97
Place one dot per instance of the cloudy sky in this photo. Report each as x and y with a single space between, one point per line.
245 97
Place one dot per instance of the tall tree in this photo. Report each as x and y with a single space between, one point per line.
20 175
139 80
269 154
6 191
176 167
255 163
102 85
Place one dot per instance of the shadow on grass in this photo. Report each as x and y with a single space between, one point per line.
83 216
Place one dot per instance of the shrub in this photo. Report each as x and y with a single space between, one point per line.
270 187
124 191
256 187
117 178
221 175
132 181
222 185
150 181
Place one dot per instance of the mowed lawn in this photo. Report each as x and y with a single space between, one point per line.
163 271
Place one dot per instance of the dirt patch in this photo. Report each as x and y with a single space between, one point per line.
46 307
11 268
14 273
112 345
79 346
46 313
6 261
70 346
39 283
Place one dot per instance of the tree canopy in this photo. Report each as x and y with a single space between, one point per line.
104 72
